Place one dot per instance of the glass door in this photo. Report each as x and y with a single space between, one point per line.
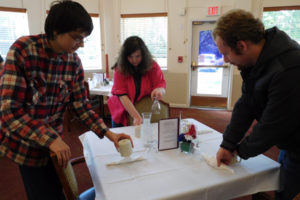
209 74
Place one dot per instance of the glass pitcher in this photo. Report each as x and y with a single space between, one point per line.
155 107
147 133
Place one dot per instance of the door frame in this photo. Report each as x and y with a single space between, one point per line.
189 61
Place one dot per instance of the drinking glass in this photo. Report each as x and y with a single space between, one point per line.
147 132
156 106
97 79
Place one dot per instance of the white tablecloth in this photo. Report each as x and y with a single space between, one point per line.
103 90
172 174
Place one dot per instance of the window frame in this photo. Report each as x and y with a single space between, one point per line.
279 8
102 67
16 10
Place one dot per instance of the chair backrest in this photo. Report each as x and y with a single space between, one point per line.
145 105
67 178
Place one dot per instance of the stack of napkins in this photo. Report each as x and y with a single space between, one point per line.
212 161
123 160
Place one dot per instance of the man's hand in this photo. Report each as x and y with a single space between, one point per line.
224 156
115 138
62 151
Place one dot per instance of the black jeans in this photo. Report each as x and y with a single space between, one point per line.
42 183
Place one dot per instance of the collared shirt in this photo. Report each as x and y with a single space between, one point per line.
36 85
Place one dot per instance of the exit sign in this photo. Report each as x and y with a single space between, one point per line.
213 10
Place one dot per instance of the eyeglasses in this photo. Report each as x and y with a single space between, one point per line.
78 38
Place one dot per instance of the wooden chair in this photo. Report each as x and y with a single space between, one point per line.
68 179
145 105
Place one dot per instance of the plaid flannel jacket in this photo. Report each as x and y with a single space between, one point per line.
36 84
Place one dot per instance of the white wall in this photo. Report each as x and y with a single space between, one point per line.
138 6
179 30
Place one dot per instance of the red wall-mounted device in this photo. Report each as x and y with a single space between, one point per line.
180 59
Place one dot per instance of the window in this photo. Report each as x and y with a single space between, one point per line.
285 18
13 24
209 78
210 75
152 28
208 50
90 54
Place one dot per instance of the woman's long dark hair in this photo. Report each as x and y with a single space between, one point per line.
131 45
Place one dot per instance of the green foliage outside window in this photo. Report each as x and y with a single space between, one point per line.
286 20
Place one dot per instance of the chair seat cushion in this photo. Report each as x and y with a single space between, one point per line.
88 194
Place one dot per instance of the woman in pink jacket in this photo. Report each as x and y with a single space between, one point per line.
136 75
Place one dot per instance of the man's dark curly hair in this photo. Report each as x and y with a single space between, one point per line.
67 16
238 25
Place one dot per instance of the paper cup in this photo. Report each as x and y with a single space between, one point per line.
235 159
137 131
125 147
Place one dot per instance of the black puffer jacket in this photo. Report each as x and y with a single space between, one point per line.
271 95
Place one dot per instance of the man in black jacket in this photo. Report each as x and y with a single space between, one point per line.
269 62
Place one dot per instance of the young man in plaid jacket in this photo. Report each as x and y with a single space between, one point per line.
43 74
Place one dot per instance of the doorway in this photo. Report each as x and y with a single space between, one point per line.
210 76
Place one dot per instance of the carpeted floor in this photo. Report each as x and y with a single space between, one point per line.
11 185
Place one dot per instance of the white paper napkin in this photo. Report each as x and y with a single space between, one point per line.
200 132
122 160
212 161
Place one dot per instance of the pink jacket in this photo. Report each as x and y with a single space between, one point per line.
125 85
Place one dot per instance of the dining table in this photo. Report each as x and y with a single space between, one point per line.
173 174
102 91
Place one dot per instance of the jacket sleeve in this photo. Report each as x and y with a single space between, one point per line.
280 120
82 107
120 84
240 122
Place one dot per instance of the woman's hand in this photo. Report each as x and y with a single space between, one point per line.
158 93
137 121
115 138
